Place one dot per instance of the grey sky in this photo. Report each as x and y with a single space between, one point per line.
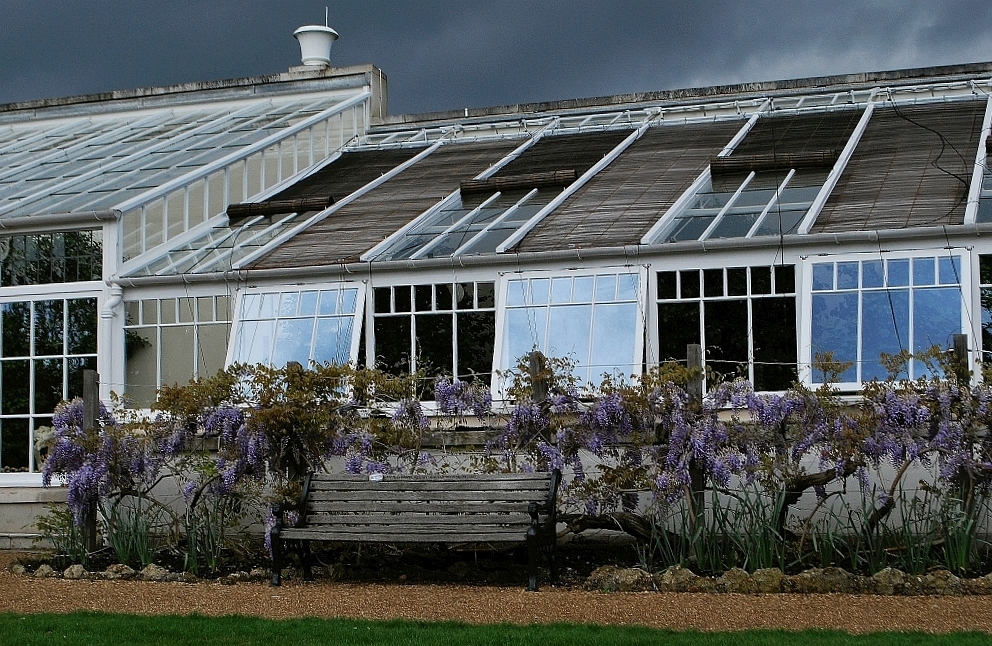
452 54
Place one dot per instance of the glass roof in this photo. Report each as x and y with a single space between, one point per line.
98 161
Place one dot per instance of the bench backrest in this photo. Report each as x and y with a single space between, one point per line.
414 508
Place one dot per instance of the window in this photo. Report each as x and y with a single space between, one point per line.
310 324
46 345
737 206
45 258
862 308
172 340
985 278
443 328
470 224
744 317
593 318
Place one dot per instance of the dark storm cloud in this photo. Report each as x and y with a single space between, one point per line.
447 54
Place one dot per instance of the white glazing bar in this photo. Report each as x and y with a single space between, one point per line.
704 177
495 223
845 156
108 136
978 174
379 181
726 207
142 151
570 190
377 250
463 221
240 244
771 204
227 160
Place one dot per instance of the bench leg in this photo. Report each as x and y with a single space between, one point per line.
307 562
277 549
532 559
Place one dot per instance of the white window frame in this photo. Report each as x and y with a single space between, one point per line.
805 266
500 383
357 326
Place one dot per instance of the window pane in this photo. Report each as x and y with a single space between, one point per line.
16 329
253 342
392 344
487 294
293 339
666 284
886 329
847 275
561 290
570 336
689 282
82 327
785 279
761 280
898 273
823 276
525 330
141 365
726 331
75 368
14 440
950 270
539 291
606 288
516 292
424 298
177 355
48 382
872 274
737 281
582 289
332 342
48 327
678 326
288 303
627 288
713 282
923 271
936 318
476 338
835 330
774 343
465 296
613 340
329 302
435 345
212 351
16 379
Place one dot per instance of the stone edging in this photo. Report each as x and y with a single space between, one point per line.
889 581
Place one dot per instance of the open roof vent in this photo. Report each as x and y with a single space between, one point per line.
315 44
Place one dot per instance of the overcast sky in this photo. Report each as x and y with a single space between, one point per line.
450 54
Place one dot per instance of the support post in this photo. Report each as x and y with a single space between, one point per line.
960 360
697 474
538 380
91 421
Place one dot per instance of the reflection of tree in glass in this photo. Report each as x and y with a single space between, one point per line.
41 259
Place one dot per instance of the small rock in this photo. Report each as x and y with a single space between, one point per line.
118 571
889 581
768 580
153 572
610 578
188 577
75 572
402 578
942 582
735 580
17 568
818 581
44 571
259 574
677 579
979 586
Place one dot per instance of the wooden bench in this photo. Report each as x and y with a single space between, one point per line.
450 509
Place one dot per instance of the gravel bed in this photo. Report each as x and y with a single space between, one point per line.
488 604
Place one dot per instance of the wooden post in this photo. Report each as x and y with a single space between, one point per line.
959 362
538 381
697 473
91 421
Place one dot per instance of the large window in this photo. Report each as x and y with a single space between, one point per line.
592 318
44 258
863 308
441 328
744 317
745 205
306 324
47 343
172 340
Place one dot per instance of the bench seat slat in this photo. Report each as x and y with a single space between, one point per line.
416 507
317 520
343 535
435 477
431 485
439 495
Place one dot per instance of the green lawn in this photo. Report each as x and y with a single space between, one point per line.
97 629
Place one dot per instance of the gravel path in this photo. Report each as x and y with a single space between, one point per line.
854 613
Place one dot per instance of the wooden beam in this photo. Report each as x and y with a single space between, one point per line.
245 210
528 180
